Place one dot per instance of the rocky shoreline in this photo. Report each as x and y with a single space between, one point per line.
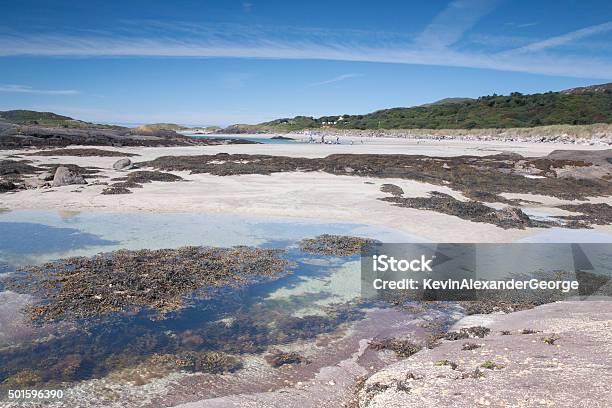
472 188
522 362
480 179
22 137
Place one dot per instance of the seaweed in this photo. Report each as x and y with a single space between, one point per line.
339 245
402 348
122 280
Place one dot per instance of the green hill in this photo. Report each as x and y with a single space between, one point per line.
448 100
578 106
160 126
46 119
27 117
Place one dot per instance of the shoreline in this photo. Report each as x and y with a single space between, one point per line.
545 345
577 135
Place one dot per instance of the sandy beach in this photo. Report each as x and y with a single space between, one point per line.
315 195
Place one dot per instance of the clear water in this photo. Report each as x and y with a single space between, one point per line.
31 236
252 138
317 297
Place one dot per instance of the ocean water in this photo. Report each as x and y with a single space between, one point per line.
252 138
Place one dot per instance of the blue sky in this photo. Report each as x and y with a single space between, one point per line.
222 62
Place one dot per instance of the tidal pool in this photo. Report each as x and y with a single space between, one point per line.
315 308
318 296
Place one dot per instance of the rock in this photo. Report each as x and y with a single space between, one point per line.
34 182
46 176
6 185
64 176
507 368
123 164
278 358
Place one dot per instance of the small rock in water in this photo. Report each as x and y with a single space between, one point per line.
64 176
123 164
278 358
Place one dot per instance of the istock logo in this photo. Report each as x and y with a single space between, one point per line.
384 263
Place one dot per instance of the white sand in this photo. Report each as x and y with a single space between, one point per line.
314 195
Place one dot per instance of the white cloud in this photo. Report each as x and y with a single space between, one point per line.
30 90
336 79
431 47
565 38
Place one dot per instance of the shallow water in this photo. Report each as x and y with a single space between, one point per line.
31 236
319 297
311 300
252 138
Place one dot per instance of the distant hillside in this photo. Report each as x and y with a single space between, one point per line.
160 126
27 117
448 100
579 106
49 119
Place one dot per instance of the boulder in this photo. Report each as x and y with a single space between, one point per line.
46 176
123 164
6 185
34 182
64 176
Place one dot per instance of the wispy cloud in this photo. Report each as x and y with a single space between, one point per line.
449 26
521 25
30 90
434 46
336 79
565 38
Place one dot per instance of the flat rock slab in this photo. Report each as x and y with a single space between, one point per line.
574 371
